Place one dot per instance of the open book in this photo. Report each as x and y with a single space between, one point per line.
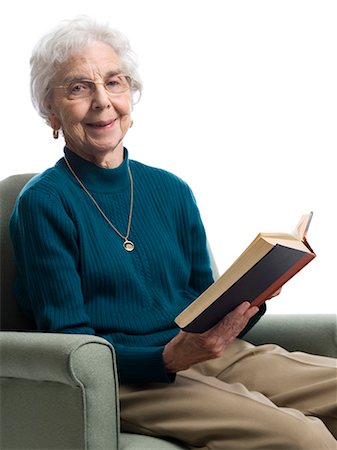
263 268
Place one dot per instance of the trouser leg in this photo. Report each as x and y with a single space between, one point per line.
210 413
297 380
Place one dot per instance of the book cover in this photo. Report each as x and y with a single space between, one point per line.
266 265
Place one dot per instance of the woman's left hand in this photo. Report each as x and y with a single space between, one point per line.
186 349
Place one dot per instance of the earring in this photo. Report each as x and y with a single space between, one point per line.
55 134
131 123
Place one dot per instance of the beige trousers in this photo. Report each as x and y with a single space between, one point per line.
251 398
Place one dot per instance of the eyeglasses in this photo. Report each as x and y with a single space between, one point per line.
78 89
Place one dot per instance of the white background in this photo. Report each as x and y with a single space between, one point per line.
240 101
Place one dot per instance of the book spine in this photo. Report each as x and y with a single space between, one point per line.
267 294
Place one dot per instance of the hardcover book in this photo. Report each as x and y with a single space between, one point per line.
261 270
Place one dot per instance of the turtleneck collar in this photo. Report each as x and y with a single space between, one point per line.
96 178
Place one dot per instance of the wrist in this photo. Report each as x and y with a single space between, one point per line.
168 359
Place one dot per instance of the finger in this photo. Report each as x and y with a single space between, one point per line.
240 316
251 312
274 294
236 319
243 307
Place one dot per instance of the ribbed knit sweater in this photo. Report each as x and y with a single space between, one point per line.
74 276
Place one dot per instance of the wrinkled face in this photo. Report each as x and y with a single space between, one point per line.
94 123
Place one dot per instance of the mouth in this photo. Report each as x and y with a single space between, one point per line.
101 124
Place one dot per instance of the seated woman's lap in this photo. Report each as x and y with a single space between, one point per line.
223 403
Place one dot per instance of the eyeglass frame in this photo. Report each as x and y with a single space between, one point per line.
94 84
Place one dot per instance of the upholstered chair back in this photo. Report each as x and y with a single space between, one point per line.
10 315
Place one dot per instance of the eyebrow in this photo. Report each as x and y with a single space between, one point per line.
71 78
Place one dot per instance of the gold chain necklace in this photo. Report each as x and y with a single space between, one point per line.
127 244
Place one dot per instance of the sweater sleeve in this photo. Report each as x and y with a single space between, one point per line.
141 364
201 270
44 239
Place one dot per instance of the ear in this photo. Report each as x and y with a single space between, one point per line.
54 121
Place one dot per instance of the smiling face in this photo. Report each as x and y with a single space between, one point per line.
93 126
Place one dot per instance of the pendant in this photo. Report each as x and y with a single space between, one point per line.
128 245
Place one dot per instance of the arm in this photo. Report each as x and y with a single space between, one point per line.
46 253
202 273
186 349
52 382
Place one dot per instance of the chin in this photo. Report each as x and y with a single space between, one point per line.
105 147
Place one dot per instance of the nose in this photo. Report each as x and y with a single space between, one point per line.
100 97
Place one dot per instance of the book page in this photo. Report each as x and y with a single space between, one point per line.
303 226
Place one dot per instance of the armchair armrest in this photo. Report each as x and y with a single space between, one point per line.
311 333
58 391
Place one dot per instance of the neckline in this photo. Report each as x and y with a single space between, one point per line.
99 179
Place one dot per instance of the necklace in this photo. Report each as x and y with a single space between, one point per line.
127 244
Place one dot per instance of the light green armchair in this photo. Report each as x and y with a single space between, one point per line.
60 391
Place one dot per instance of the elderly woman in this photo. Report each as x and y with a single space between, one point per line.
106 245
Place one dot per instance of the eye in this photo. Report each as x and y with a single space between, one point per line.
117 83
79 88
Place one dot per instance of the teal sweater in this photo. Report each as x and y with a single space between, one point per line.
74 275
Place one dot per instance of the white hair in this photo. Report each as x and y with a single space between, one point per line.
69 38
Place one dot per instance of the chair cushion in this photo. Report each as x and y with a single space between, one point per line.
129 441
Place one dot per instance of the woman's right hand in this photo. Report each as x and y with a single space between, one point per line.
186 349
